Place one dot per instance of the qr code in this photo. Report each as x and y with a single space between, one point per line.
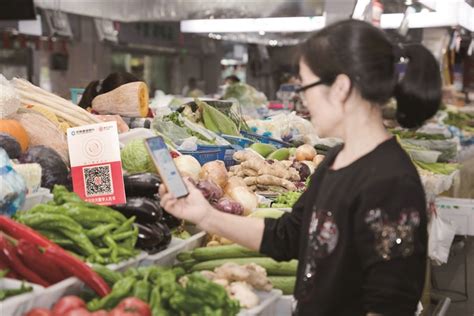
98 180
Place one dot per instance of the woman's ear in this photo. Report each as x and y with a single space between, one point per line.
340 90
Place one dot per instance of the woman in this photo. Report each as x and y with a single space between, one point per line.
359 231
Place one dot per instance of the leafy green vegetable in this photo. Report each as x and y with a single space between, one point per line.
437 167
417 135
135 157
464 121
286 200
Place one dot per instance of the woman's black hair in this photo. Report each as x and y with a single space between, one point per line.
97 87
366 55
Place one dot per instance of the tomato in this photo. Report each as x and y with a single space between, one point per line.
81 311
67 304
131 306
39 312
100 313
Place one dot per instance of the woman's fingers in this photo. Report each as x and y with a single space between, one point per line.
166 198
162 190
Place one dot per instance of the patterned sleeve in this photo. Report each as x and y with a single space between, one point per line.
391 242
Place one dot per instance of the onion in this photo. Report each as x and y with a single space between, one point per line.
188 166
216 172
242 195
305 152
318 159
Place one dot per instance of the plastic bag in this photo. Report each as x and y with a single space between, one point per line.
441 235
13 188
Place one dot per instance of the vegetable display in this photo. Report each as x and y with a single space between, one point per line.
464 121
67 111
286 200
75 306
53 256
167 291
234 263
96 233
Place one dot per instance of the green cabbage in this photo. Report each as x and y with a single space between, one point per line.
135 157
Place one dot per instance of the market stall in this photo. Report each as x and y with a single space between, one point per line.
68 248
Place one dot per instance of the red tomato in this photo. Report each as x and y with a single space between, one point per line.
131 306
39 312
67 304
100 313
77 312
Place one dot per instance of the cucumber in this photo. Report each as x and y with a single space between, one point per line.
184 256
223 252
284 283
272 267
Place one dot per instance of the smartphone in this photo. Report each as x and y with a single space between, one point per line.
165 165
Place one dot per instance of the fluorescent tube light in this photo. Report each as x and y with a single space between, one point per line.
269 25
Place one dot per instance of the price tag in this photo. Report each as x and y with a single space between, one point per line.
96 167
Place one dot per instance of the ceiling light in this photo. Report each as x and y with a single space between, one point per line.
267 25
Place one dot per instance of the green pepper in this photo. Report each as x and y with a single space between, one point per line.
122 236
111 277
112 245
142 290
156 303
210 293
3 273
62 195
104 251
125 226
87 217
6 293
100 231
120 290
50 221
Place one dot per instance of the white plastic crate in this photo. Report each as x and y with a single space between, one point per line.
459 211
41 196
48 297
130 263
20 304
267 306
284 305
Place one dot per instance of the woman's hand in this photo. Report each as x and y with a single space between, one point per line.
193 208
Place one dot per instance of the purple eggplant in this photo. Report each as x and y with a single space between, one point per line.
142 184
144 209
153 237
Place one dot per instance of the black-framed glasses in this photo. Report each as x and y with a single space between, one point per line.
311 85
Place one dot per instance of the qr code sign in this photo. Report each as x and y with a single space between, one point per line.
98 180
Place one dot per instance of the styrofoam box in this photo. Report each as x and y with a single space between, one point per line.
167 257
130 263
135 133
41 196
20 304
284 305
50 295
459 211
267 306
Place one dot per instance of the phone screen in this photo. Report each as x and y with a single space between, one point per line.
166 167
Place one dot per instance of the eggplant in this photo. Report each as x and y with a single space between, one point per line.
144 209
153 237
170 221
142 184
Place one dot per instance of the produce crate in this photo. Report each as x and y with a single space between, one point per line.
50 295
458 211
167 257
266 140
284 305
130 263
203 156
20 304
43 195
238 141
225 153
267 306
